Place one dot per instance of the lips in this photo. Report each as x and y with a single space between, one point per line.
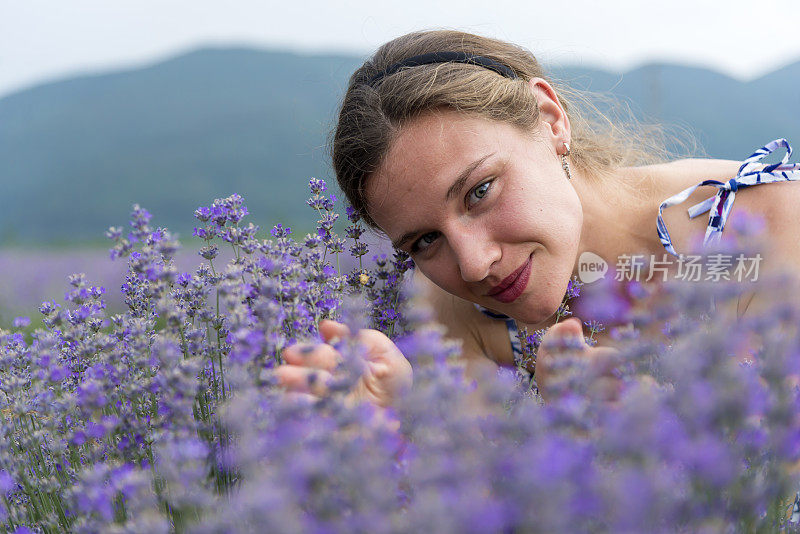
513 285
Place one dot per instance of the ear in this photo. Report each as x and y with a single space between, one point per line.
553 118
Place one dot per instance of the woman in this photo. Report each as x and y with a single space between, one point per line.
460 150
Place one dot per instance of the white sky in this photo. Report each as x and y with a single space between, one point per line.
45 39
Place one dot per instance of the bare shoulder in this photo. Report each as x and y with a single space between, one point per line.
482 336
776 203
675 176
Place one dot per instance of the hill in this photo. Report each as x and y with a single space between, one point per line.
76 153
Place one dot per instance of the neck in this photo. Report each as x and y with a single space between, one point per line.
620 211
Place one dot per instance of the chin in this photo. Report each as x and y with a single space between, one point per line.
537 309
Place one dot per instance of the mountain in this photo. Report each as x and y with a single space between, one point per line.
729 119
76 153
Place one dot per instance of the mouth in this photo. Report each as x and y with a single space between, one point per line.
513 285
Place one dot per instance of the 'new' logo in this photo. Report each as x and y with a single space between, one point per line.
591 267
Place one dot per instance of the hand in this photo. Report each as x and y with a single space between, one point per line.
308 368
605 385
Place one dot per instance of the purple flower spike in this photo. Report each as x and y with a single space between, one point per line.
21 322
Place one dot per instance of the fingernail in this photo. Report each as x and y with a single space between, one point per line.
306 349
312 377
268 377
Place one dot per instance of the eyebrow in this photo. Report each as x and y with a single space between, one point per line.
464 176
453 191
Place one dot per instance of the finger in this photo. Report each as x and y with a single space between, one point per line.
303 380
555 340
376 345
568 327
301 398
647 380
319 356
793 380
571 328
605 389
331 331
384 357
604 360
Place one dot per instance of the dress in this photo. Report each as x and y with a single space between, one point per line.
719 207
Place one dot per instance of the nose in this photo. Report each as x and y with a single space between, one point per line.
474 252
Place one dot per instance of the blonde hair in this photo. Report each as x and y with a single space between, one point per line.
371 115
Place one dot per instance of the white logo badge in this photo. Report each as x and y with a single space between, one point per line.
591 267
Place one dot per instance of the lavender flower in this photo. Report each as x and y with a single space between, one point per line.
164 417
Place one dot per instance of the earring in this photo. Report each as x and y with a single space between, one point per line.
564 162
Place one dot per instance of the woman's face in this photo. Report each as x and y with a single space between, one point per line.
484 209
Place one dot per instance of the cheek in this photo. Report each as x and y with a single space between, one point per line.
554 219
442 273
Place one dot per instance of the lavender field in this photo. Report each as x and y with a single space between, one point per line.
29 277
151 404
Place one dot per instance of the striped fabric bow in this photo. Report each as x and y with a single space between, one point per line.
720 204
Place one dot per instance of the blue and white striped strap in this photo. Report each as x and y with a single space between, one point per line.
511 325
720 204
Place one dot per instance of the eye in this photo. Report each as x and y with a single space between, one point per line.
479 192
424 241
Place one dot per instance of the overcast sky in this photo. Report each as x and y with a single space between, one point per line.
46 39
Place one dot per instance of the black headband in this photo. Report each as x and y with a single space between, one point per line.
447 57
